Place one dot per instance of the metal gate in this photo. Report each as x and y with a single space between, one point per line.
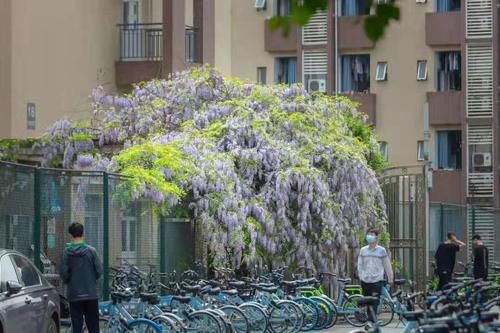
405 196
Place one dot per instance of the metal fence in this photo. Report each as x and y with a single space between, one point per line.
465 221
37 205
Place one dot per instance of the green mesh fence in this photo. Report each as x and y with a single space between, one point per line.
37 205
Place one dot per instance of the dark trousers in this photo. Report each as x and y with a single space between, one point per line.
84 309
444 277
372 289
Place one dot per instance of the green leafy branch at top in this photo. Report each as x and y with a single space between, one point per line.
303 10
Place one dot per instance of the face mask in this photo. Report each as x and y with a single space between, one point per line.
371 239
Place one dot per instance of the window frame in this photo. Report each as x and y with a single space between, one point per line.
384 66
420 150
7 257
33 268
264 69
460 165
385 150
422 62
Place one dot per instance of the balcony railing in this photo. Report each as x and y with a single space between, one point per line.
192 54
141 42
144 42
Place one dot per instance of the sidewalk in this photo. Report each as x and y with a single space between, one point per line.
343 328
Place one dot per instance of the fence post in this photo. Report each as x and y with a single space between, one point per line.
37 220
441 221
105 231
473 221
163 246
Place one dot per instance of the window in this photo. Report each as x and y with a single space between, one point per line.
286 70
382 147
422 70
28 274
7 273
354 7
131 12
447 5
261 75
420 151
283 7
449 150
381 74
260 4
355 73
449 76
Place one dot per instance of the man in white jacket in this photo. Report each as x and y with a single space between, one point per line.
374 266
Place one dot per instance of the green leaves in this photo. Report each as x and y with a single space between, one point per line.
302 12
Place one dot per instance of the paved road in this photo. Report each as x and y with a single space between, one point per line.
342 328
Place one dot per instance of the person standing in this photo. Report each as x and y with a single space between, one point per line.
480 257
445 259
373 266
80 269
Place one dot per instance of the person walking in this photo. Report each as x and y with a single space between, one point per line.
445 256
480 258
80 269
373 266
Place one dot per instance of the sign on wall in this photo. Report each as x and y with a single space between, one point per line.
31 116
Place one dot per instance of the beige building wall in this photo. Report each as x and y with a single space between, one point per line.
5 67
222 36
400 99
61 49
247 41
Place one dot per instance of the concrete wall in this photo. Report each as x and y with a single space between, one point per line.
222 36
5 67
60 49
401 98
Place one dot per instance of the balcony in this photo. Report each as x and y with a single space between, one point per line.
141 51
274 41
448 186
368 104
445 108
444 28
352 35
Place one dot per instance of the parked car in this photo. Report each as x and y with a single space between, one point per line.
28 303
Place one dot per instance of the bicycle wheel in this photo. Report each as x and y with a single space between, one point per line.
141 326
311 313
353 314
285 317
325 314
204 322
257 317
332 310
167 324
237 318
178 322
385 312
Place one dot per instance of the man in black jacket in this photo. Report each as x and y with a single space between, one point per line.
480 255
80 270
445 259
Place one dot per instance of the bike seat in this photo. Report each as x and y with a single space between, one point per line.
345 281
305 288
397 293
488 317
290 284
192 288
305 282
236 283
151 298
438 328
413 296
413 316
182 299
121 296
214 291
231 292
352 286
268 289
266 284
399 282
367 301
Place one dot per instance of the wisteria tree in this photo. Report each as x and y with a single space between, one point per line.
272 174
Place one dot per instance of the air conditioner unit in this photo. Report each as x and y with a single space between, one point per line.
318 85
481 159
420 1
260 4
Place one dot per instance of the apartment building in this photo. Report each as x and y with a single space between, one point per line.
442 57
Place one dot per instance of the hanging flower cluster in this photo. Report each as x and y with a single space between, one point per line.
270 173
